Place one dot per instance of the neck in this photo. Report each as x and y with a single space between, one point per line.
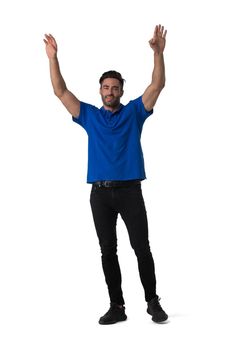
111 109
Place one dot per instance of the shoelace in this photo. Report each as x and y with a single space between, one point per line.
156 304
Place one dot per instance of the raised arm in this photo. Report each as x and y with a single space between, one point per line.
71 102
157 43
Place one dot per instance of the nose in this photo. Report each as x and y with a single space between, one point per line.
110 94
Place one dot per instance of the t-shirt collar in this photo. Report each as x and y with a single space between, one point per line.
106 110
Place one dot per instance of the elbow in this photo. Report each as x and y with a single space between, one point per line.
158 87
162 85
58 93
59 89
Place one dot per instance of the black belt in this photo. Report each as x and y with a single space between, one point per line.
108 183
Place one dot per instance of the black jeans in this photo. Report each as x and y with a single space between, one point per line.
106 204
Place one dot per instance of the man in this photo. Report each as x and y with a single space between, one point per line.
116 169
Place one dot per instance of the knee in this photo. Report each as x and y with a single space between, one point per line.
108 250
142 251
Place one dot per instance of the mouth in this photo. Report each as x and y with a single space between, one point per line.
109 97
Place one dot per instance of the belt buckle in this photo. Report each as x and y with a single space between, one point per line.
107 183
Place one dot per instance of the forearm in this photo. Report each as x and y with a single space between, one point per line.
158 75
152 92
58 83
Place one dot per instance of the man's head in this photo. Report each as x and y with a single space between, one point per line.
111 88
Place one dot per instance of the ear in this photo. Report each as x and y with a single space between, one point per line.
122 93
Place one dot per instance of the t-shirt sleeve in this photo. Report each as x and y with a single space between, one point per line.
142 113
84 118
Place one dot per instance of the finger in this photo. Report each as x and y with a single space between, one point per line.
45 41
52 40
160 30
155 31
155 34
48 38
164 35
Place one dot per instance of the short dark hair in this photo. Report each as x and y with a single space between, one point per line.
112 74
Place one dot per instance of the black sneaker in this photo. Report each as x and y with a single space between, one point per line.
156 311
114 315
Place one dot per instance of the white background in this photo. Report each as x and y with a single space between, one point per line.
52 288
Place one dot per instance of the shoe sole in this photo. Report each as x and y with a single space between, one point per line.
160 321
112 322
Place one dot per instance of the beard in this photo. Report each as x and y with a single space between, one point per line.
110 101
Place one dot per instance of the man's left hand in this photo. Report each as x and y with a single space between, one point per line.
157 43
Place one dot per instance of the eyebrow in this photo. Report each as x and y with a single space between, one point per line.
114 86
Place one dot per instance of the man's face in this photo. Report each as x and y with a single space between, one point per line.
111 92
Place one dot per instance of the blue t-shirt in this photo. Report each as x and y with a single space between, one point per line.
114 147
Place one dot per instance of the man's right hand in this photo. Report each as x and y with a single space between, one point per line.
50 46
69 100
